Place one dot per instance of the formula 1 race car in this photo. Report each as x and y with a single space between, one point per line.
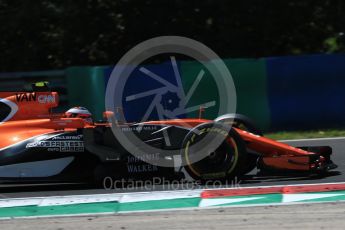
37 145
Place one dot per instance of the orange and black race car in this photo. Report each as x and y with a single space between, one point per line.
37 145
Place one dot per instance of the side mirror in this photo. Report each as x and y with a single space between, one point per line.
107 115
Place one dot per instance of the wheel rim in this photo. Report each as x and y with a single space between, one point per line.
217 163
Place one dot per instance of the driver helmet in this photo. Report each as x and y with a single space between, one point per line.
79 112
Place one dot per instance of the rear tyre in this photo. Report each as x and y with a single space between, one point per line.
211 151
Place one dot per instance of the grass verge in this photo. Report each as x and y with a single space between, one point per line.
290 135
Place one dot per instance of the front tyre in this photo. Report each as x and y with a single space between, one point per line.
239 121
244 123
204 160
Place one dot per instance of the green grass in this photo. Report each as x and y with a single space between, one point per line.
289 135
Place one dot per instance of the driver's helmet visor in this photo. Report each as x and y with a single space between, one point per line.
77 115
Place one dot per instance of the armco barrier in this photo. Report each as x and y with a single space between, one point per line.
206 91
278 93
248 74
306 91
86 87
251 86
139 82
134 105
249 77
